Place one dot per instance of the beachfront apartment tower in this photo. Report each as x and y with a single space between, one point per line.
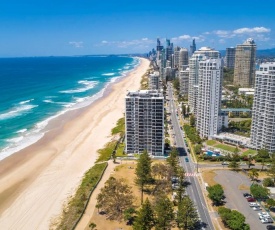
263 112
245 67
183 59
144 122
194 74
230 57
184 82
209 97
154 81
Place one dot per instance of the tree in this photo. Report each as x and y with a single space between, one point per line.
236 150
263 153
198 148
164 213
115 197
183 109
270 203
173 161
259 192
253 174
271 171
234 165
192 120
268 182
129 215
216 194
181 189
92 225
187 216
233 219
143 172
145 219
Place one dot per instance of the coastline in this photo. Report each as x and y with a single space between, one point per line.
36 181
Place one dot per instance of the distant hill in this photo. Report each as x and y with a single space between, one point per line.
260 53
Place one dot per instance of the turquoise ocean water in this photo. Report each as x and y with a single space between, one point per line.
36 90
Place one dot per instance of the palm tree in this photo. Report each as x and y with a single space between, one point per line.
253 174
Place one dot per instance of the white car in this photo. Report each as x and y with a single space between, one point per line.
254 204
266 220
257 208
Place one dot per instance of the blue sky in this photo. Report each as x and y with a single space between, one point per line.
80 27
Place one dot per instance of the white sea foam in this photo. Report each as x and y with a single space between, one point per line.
16 111
25 102
48 101
108 74
88 85
21 131
15 139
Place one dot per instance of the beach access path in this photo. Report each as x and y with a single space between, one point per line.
36 182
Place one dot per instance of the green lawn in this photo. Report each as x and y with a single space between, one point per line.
249 151
120 149
225 147
211 142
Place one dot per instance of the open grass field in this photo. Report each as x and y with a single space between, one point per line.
249 151
225 147
211 142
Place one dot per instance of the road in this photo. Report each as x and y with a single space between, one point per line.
194 189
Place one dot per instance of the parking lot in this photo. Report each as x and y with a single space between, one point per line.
234 196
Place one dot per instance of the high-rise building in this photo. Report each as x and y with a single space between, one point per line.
244 69
154 81
183 59
169 50
144 122
209 96
230 57
176 57
263 112
184 82
194 74
193 47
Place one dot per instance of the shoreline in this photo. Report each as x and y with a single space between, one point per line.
77 108
49 171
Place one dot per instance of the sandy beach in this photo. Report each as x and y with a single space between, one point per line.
37 181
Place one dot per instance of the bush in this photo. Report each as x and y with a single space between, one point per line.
268 182
192 134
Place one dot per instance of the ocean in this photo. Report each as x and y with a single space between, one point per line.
38 89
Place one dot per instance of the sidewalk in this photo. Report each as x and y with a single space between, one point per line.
84 222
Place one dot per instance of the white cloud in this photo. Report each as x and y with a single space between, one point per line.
140 43
251 30
76 44
187 37
221 41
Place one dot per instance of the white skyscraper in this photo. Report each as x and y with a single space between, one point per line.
154 81
144 122
184 82
209 96
263 113
194 74
183 59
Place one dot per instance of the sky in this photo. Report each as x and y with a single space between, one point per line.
87 27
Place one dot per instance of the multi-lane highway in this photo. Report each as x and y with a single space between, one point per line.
194 189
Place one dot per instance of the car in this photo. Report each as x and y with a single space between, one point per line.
225 163
186 159
254 204
257 208
270 227
250 199
246 194
266 220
